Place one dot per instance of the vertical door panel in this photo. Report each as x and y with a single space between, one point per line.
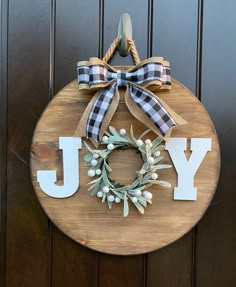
27 242
72 263
76 39
216 239
171 266
3 135
116 271
175 37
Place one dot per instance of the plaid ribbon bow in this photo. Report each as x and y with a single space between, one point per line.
142 103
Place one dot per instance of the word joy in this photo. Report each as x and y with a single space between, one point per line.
185 168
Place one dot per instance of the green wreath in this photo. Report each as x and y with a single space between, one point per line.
109 191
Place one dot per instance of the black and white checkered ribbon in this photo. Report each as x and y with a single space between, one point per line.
144 99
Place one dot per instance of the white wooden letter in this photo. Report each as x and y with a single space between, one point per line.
47 178
186 169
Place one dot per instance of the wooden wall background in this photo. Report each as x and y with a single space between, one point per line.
41 41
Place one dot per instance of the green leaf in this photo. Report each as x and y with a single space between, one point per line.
88 147
107 166
164 183
147 176
144 186
118 139
87 163
143 149
102 153
98 182
95 190
121 196
148 151
118 185
105 177
149 201
162 166
145 166
109 204
88 157
107 133
159 158
140 176
159 182
126 206
104 197
142 171
142 200
156 142
139 207
128 139
132 134
122 188
144 133
135 183
92 186
113 131
95 180
158 148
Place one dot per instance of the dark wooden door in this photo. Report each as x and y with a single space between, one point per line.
41 41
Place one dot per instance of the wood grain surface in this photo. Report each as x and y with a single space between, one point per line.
84 218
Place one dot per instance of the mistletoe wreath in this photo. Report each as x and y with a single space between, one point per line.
111 192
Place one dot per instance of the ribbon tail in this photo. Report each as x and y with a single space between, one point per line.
110 113
98 113
151 110
81 127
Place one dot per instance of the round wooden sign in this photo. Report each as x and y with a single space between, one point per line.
83 218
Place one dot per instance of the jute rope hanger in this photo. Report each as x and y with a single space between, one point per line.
114 45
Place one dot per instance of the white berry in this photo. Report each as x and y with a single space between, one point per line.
122 132
139 143
105 139
94 162
91 173
157 153
105 189
148 142
100 194
148 195
154 175
110 146
134 199
95 155
138 192
117 199
150 160
110 198
98 171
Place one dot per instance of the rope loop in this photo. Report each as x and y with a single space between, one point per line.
114 45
